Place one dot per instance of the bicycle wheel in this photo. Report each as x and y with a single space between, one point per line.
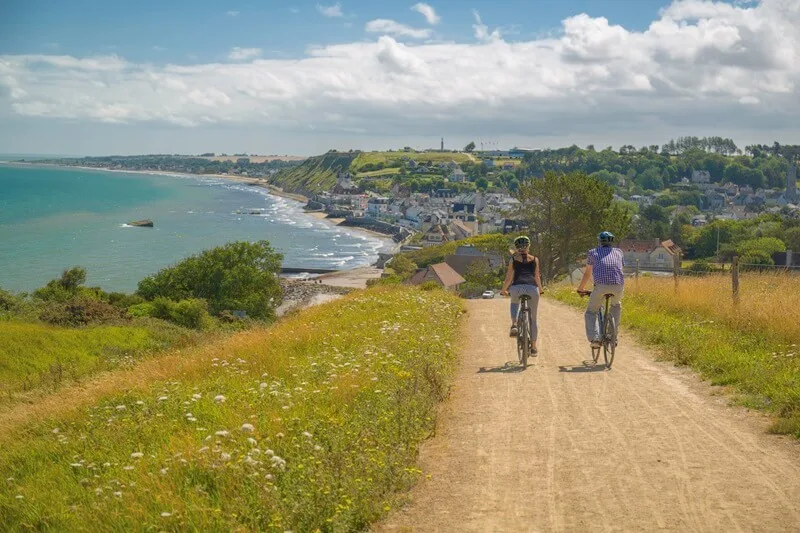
609 343
596 351
524 338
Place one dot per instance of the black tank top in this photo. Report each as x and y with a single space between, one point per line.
525 273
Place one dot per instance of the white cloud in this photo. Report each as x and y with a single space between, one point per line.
232 14
390 27
244 54
699 68
481 30
428 12
330 11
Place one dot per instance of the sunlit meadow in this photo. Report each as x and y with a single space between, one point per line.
311 424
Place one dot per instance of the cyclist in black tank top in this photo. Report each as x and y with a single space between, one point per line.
523 277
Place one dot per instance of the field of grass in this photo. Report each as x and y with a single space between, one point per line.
753 349
41 356
315 174
374 158
313 424
377 173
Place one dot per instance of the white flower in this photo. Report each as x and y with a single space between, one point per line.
121 408
56 430
165 514
20 497
248 428
317 447
269 452
197 396
139 402
188 415
225 456
118 494
219 398
263 386
76 465
279 435
307 434
136 455
164 471
252 441
222 433
203 449
127 467
163 398
268 476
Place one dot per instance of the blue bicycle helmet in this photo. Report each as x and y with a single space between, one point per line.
605 238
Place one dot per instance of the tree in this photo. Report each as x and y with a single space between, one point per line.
651 179
236 276
470 147
482 184
565 212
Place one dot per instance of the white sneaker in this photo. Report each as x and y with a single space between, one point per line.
596 343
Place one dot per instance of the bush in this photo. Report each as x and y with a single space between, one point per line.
191 313
63 288
430 286
701 265
236 276
123 300
81 311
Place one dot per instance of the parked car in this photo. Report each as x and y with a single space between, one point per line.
488 294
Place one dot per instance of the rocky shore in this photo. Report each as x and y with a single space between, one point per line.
300 294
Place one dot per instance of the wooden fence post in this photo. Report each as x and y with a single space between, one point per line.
735 279
676 269
636 270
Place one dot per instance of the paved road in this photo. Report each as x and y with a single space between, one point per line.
644 447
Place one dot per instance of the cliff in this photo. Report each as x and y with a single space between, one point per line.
315 174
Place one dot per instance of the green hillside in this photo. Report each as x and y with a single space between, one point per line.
315 174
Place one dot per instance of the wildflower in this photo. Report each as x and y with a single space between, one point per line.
136 455
55 431
252 441
222 433
263 386
75 465
118 494
248 428
165 514
279 435
163 471
139 402
307 434
225 456
20 497
269 452
163 398
121 408
203 449
127 467
197 396
219 398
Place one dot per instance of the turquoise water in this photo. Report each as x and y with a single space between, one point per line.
54 218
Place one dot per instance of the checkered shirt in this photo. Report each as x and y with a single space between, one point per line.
606 263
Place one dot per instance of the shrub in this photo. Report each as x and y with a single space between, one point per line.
191 313
236 276
81 311
430 286
123 300
701 265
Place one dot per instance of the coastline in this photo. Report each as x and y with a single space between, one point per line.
272 190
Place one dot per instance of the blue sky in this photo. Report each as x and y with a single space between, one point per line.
301 77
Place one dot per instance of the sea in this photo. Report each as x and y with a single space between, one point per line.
54 218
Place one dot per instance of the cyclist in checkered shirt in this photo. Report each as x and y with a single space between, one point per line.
604 265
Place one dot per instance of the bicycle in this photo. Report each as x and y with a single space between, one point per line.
607 332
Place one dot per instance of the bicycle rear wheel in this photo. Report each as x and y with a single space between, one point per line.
596 351
609 341
524 337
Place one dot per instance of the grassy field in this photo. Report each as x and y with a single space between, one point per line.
753 349
313 424
377 173
374 158
36 356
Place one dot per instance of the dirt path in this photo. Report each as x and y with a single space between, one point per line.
645 447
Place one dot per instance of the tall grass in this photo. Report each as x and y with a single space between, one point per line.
38 355
768 301
751 348
310 425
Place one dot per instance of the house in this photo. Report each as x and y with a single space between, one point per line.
440 273
701 176
459 230
508 166
653 253
435 235
463 263
457 175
